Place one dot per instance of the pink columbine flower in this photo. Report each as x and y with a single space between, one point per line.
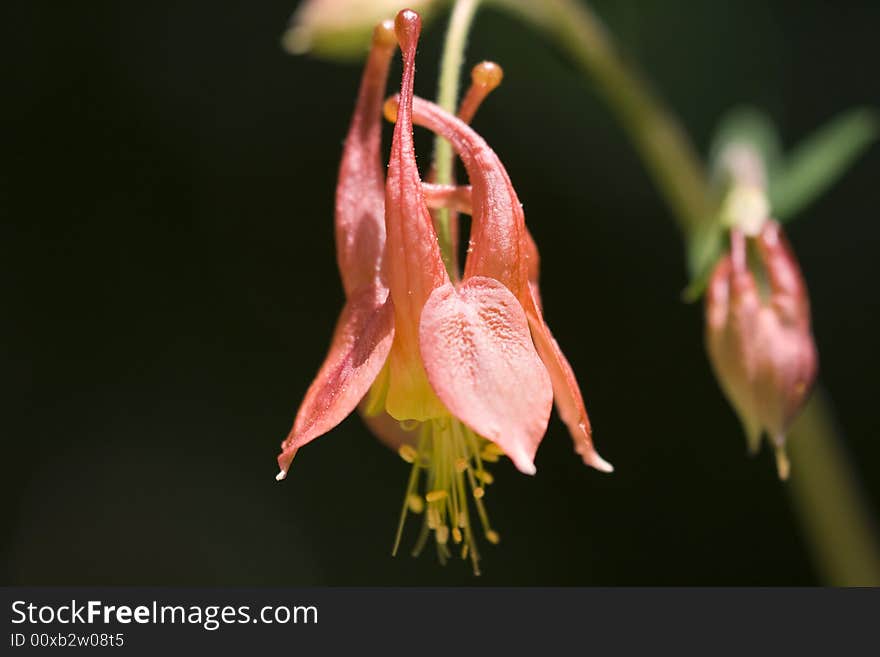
758 336
454 373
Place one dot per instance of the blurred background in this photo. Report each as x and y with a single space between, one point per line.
170 287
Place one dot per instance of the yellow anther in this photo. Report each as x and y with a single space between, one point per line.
487 74
489 457
448 454
408 453
415 503
436 495
492 448
389 109
383 34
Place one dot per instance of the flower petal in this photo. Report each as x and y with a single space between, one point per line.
481 362
498 243
360 346
533 259
360 190
732 307
786 357
412 254
789 292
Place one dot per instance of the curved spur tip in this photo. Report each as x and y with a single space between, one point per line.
487 74
383 34
407 25
281 475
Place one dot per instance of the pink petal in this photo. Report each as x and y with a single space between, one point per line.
412 256
360 346
415 268
789 292
732 308
497 245
360 190
533 260
481 362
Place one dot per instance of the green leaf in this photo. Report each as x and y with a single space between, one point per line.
817 162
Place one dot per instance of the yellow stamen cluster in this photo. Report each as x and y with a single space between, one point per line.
448 469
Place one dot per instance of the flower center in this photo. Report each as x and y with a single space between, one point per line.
448 476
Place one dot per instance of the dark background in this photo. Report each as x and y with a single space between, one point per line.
169 288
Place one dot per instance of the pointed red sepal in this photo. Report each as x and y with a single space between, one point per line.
357 353
360 191
567 393
481 362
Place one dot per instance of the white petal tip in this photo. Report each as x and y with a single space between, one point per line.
528 468
783 465
593 460
602 465
281 475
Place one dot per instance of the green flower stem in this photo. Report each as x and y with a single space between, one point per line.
825 493
460 21
655 133
835 518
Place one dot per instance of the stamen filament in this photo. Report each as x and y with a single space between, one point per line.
450 455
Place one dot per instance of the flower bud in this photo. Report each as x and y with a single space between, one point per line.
340 29
758 336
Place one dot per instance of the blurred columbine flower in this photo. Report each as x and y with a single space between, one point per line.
452 373
758 335
340 28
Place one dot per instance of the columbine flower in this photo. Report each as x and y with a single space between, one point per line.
758 336
458 372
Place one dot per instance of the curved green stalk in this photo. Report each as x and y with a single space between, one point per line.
826 496
655 133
